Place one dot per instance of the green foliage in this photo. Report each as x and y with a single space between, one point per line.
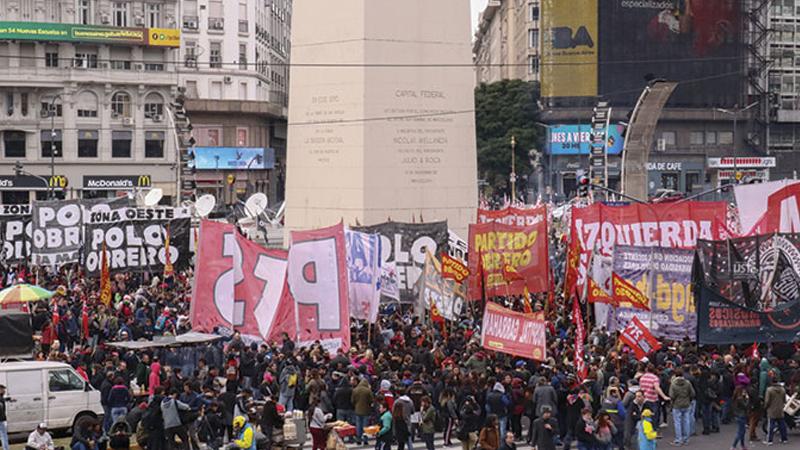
504 109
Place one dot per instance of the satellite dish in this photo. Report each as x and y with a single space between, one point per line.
204 205
153 197
256 204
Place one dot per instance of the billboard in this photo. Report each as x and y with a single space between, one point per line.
67 32
697 42
234 158
577 139
569 48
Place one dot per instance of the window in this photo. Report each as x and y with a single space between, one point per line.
86 104
154 67
669 138
120 14
190 54
154 144
27 55
216 90
711 137
191 89
14 143
726 137
23 104
696 138
692 181
120 65
51 57
121 144
215 55
50 108
534 12
153 105
241 137
533 64
65 380
243 56
84 12
51 140
669 181
87 144
19 382
533 38
85 60
153 15
9 103
243 90
120 104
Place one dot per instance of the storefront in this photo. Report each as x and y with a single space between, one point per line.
23 189
744 169
109 186
680 173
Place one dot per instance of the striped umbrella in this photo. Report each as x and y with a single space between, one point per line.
23 293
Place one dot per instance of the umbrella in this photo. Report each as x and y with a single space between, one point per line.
23 293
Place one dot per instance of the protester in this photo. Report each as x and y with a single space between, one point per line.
774 403
40 439
682 393
3 419
544 430
489 438
647 433
739 409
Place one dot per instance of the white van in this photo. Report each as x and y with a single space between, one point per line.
49 392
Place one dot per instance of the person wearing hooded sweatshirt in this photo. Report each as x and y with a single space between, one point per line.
682 393
406 409
362 398
647 434
497 403
154 378
173 426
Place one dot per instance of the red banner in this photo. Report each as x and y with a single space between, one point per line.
581 371
783 211
628 295
600 227
493 246
639 339
453 269
514 216
240 286
514 333
317 277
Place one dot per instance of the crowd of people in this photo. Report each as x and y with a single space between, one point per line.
403 381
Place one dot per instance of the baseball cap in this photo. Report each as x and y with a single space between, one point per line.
42 426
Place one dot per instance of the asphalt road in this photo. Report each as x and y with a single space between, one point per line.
716 441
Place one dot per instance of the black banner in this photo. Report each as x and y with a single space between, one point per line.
15 231
748 289
404 244
135 239
57 228
16 334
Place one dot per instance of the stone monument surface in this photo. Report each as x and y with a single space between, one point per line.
381 113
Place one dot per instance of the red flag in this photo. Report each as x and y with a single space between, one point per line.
753 352
639 339
580 337
596 294
168 269
85 320
56 316
453 269
510 274
436 316
527 301
625 292
573 261
105 278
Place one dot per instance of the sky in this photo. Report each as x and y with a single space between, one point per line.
477 7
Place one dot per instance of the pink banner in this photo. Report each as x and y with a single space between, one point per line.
514 216
317 276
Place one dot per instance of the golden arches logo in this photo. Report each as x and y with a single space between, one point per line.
143 181
58 181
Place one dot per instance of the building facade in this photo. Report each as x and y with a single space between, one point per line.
507 41
85 87
234 66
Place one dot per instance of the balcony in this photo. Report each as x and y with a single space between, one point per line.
216 24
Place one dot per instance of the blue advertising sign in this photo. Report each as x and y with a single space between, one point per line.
576 139
234 158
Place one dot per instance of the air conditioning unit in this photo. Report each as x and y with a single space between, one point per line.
157 118
228 80
105 18
127 121
190 24
138 66
139 20
661 145
114 115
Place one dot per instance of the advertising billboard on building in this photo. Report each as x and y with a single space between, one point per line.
694 42
234 158
569 48
576 139
68 32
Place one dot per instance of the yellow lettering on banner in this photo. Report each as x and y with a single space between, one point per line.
678 302
532 238
690 306
663 294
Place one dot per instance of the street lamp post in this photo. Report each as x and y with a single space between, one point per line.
51 188
513 171
735 114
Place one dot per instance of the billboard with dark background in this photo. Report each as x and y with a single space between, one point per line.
695 42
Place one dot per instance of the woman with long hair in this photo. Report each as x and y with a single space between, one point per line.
447 405
400 426
739 409
489 439
605 431
317 419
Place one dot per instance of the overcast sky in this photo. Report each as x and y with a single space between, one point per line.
477 7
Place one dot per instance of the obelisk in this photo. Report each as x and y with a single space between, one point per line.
381 113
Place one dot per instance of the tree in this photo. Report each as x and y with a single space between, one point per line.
504 109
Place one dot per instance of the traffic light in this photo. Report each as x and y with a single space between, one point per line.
583 185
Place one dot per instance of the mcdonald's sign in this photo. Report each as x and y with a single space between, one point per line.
143 181
58 182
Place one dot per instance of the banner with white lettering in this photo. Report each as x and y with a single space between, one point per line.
514 333
521 217
404 245
135 239
57 228
15 231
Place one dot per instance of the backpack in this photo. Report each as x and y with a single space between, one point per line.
292 382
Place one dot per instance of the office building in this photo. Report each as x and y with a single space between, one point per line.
506 44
